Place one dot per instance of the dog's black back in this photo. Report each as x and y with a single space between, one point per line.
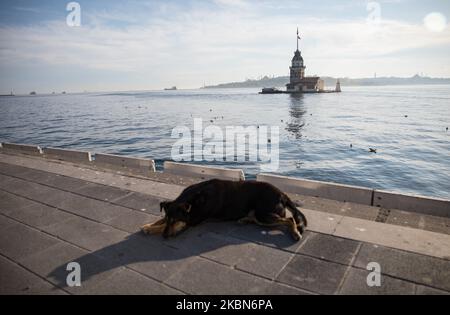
232 200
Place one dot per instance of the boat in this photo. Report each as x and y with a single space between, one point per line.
10 94
173 88
271 90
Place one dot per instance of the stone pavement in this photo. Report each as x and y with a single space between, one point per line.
54 213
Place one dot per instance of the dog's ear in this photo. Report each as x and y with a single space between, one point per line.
163 205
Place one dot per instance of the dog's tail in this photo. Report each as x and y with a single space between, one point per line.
299 217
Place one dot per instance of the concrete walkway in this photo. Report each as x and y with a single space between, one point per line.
53 213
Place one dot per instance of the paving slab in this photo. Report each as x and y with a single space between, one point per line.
10 202
132 221
6 222
87 207
39 215
356 284
419 221
275 288
129 282
313 274
263 261
422 269
277 238
13 170
257 259
205 277
17 280
423 290
30 190
321 221
18 241
102 192
52 263
405 238
55 180
5 181
46 178
86 234
335 249
141 202
146 255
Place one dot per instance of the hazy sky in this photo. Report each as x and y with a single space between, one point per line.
141 45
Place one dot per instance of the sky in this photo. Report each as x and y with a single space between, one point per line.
147 45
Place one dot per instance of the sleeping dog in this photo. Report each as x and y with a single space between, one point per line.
245 201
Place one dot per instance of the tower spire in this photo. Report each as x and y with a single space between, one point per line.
297 37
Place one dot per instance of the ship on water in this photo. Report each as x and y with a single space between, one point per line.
298 82
10 94
173 88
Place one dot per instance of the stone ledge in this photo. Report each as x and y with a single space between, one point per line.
314 188
21 148
67 155
130 164
205 172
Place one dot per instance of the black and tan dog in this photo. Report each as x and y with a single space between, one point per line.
246 201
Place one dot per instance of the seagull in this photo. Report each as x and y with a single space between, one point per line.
372 150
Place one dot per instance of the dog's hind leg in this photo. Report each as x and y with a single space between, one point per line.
298 216
250 218
274 220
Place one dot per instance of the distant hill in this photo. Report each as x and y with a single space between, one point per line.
330 82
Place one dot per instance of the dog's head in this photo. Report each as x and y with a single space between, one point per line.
177 216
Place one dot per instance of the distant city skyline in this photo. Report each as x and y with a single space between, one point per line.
145 45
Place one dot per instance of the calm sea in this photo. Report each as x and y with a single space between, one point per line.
405 124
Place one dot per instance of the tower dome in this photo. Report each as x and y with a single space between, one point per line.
297 60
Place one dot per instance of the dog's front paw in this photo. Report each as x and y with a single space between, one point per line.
245 220
146 229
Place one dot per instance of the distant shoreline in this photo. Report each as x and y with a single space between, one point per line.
277 82
330 81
